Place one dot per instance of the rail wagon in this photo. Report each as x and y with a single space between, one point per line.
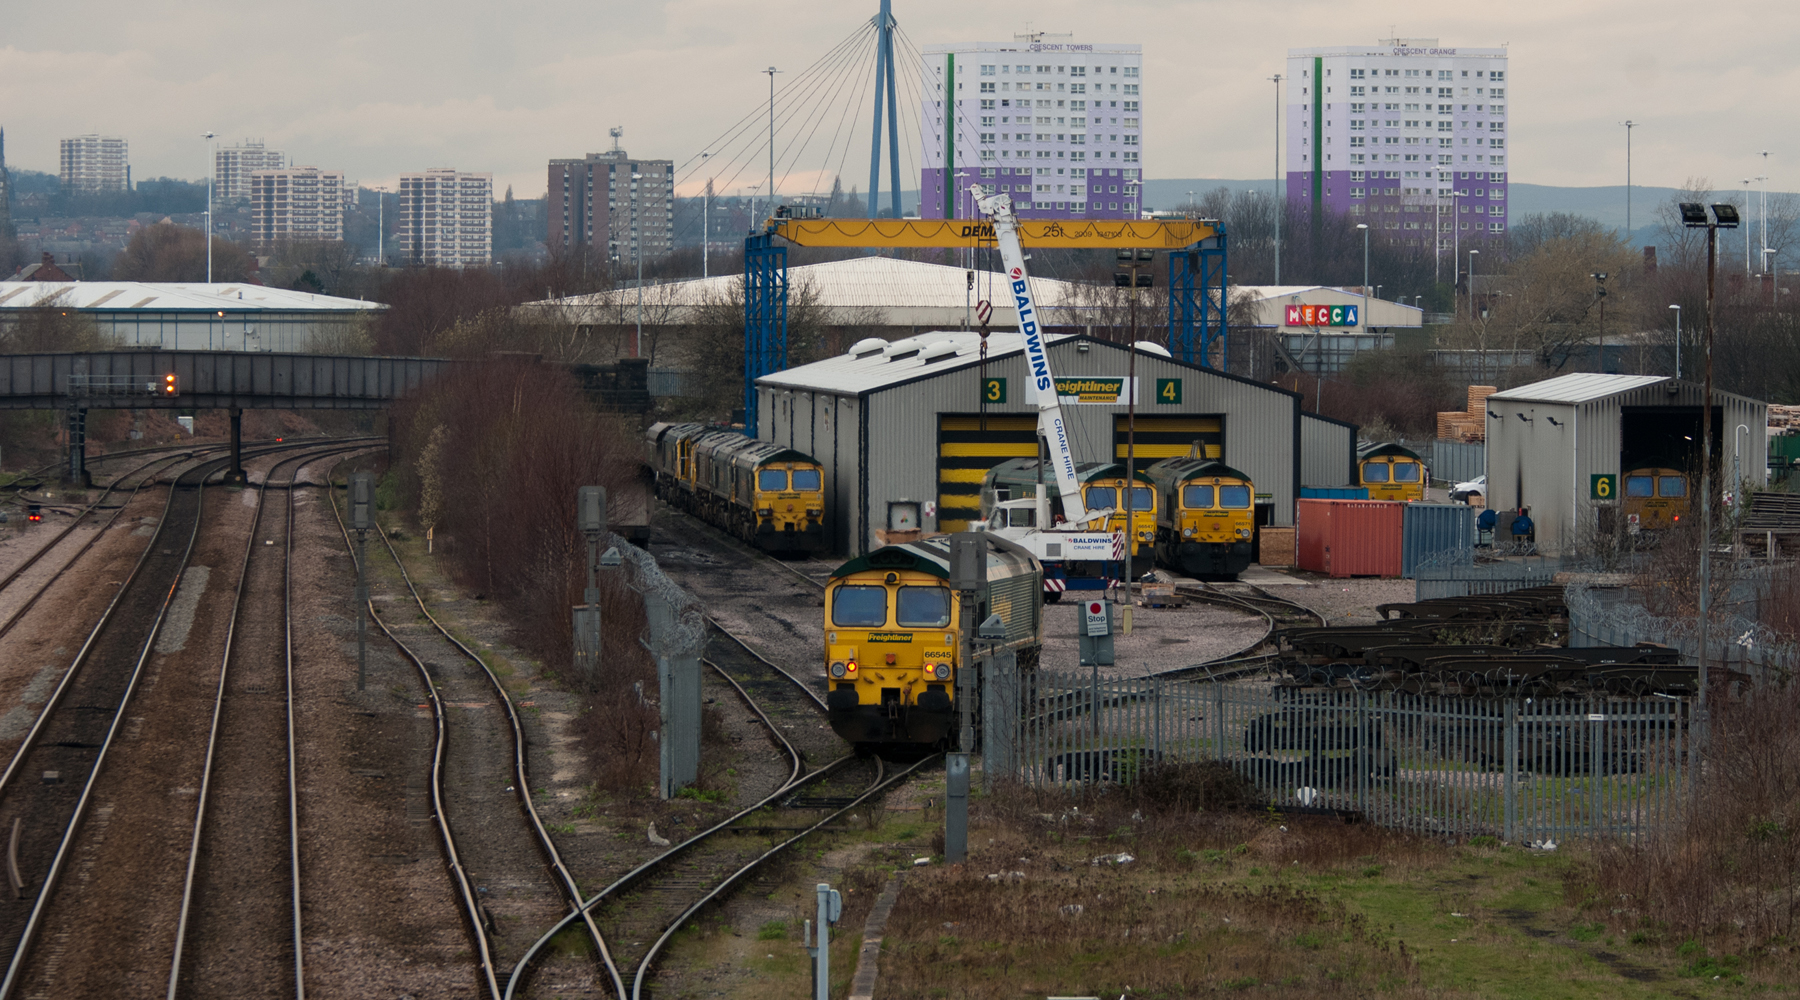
1391 472
1656 497
765 494
891 649
1102 487
1206 516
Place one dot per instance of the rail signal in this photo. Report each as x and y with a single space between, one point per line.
169 388
34 512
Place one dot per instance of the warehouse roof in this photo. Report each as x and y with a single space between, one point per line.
163 296
907 292
875 364
1579 388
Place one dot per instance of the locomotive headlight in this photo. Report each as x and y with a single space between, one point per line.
1243 532
837 668
1187 532
766 512
942 671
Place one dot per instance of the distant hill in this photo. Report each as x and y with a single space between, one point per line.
1603 204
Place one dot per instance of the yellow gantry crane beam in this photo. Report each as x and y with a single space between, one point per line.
1072 234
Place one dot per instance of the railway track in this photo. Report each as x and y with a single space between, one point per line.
1279 612
239 932
49 784
497 859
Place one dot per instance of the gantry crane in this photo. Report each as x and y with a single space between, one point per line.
1197 272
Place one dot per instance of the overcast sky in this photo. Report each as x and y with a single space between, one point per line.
380 88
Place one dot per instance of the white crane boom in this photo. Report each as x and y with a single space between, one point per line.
1041 383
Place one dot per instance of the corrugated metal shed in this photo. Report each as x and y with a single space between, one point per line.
1327 451
1578 388
161 296
1546 442
226 316
874 422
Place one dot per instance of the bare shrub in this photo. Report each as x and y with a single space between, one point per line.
1727 872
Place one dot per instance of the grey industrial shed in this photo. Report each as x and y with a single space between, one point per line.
1327 451
1548 440
882 420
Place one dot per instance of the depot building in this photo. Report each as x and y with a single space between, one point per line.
906 430
1565 447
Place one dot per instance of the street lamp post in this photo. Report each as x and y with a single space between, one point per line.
1277 79
1677 340
1364 319
637 250
1629 125
381 226
1132 278
1472 254
211 167
1693 216
1600 293
1774 279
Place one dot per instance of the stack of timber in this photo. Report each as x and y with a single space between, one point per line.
1469 424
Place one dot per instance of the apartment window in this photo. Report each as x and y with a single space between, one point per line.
1496 92
1131 71
1413 122
1356 140
1077 88
987 105
1077 70
1355 74
1131 105
1356 109
1131 123
1443 74
1497 75
1356 192
1356 175
987 71
987 88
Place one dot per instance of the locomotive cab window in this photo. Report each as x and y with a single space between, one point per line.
859 607
1640 486
1406 472
806 480
771 479
1101 497
1143 498
1671 486
1375 472
1197 497
927 607
1234 497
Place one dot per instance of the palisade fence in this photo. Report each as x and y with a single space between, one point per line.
1454 574
1521 769
1609 616
1451 461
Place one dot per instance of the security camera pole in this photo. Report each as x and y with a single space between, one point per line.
362 518
968 574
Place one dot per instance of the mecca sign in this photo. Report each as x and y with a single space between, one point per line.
1321 315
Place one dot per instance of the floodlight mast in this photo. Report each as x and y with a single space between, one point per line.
1040 382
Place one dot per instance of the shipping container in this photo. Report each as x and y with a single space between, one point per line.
1440 534
1350 537
1334 493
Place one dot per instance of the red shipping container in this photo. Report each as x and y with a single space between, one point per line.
1350 537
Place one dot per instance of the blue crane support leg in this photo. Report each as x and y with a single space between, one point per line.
1198 303
765 317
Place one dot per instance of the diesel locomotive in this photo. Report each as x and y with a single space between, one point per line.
1391 472
1656 497
765 494
1102 487
1206 516
891 639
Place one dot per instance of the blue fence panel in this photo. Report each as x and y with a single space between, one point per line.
1437 533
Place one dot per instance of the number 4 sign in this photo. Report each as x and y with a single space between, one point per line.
1168 391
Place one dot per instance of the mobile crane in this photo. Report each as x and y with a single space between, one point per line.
1027 521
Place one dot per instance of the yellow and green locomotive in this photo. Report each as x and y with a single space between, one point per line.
768 495
1206 516
1656 496
891 639
1391 472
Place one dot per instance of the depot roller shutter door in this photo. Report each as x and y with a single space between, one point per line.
969 446
1170 437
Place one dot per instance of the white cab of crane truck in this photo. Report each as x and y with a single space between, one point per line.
1027 521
